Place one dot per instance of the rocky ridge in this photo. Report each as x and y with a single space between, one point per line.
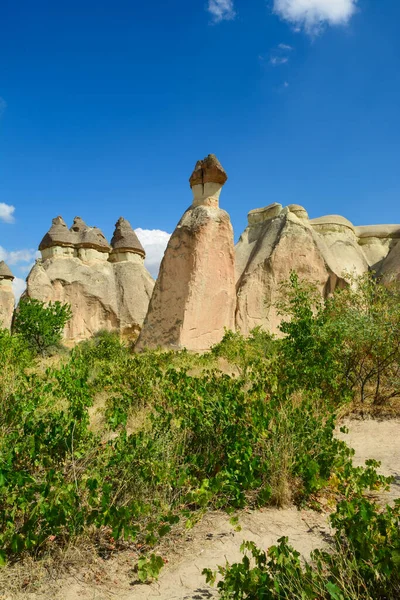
326 251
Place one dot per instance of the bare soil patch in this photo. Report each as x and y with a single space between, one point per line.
211 542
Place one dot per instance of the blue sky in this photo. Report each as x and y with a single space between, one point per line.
106 106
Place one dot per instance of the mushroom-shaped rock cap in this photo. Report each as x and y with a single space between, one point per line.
332 220
93 237
298 210
5 272
125 238
79 225
208 170
58 235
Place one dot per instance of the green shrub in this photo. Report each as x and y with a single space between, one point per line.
362 564
245 353
346 345
41 325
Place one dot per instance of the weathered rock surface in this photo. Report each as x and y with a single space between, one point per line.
194 296
325 251
7 300
107 287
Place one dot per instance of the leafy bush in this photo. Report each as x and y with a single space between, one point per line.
366 319
40 325
178 435
15 357
363 563
347 345
242 352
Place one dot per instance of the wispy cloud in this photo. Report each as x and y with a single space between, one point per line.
15 257
154 241
312 15
280 55
221 10
7 213
19 286
278 60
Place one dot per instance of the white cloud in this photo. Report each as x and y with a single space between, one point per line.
6 210
278 60
18 256
285 47
311 15
19 286
221 10
154 241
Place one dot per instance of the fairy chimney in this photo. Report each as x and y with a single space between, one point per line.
7 299
125 244
59 241
107 288
194 296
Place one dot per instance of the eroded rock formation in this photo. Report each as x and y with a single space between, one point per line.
194 296
325 250
108 287
7 299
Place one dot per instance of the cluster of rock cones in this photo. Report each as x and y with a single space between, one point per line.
205 284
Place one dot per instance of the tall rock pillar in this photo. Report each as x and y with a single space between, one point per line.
194 296
7 299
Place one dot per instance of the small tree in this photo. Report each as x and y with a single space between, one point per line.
367 314
310 349
41 325
346 344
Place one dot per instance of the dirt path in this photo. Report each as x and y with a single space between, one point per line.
213 540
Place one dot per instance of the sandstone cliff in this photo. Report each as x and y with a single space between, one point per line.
194 296
108 287
325 250
7 299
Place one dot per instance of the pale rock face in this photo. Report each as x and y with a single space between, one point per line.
194 296
326 251
7 302
389 270
91 254
266 253
105 291
377 241
134 287
89 289
339 245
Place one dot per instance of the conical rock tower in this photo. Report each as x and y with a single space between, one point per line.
194 296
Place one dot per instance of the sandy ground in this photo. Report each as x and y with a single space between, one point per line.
213 541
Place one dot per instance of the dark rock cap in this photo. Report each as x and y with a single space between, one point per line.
88 237
93 237
58 235
78 225
208 170
125 238
5 272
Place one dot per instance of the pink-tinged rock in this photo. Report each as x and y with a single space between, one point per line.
194 297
